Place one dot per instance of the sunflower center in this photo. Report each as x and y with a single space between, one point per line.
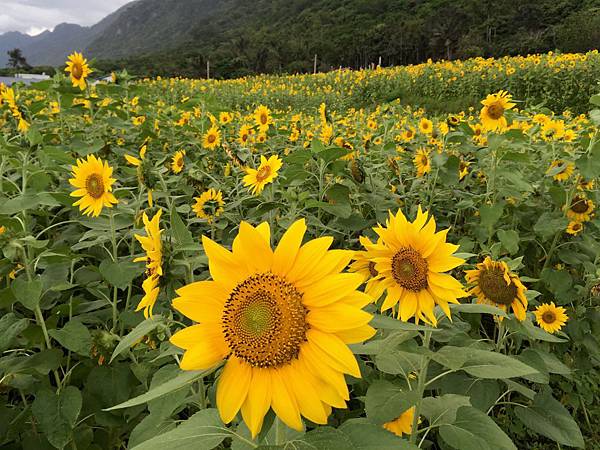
579 205
410 269
549 317
264 321
263 173
264 119
94 185
493 285
211 138
495 111
77 71
179 162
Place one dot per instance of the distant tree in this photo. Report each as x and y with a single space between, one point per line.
16 60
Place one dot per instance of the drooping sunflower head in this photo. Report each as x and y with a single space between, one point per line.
152 244
209 205
494 106
79 70
212 138
92 178
422 162
581 209
550 317
267 171
177 161
281 319
574 228
409 261
494 284
403 424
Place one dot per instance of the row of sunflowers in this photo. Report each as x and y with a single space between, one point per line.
188 265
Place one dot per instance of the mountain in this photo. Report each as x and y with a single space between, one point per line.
239 37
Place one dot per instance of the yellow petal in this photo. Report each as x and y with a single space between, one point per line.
286 252
333 351
258 400
232 388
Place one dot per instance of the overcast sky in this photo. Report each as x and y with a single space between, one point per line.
35 16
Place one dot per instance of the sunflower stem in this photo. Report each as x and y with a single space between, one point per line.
113 238
420 388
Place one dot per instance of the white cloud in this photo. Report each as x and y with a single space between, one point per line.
34 16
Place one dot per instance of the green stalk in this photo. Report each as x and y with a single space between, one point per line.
113 238
420 387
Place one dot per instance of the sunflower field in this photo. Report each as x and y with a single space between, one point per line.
303 262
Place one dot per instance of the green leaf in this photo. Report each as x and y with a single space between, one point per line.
510 240
589 165
474 430
474 308
203 431
27 292
57 414
389 323
181 234
386 401
331 154
25 202
481 363
75 337
165 405
490 214
120 274
136 334
184 380
443 408
10 328
550 418
367 436
529 330
549 224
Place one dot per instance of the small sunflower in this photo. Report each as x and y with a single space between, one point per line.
152 245
494 107
409 260
425 126
550 317
177 161
422 162
574 228
494 284
403 424
244 135
257 179
281 321
212 138
92 178
561 170
225 118
262 117
581 209
78 68
463 169
209 205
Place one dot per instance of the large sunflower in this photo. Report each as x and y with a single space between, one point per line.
492 113
581 209
257 179
92 178
494 284
409 260
281 319
78 68
209 205
550 317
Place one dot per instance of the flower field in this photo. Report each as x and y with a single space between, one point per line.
391 258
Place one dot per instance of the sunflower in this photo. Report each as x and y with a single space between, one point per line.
257 179
403 424
92 178
78 68
492 113
553 130
550 317
212 138
581 209
262 117
281 319
574 228
209 205
425 126
408 134
561 170
494 284
152 245
422 162
409 260
225 118
244 135
177 161
463 169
